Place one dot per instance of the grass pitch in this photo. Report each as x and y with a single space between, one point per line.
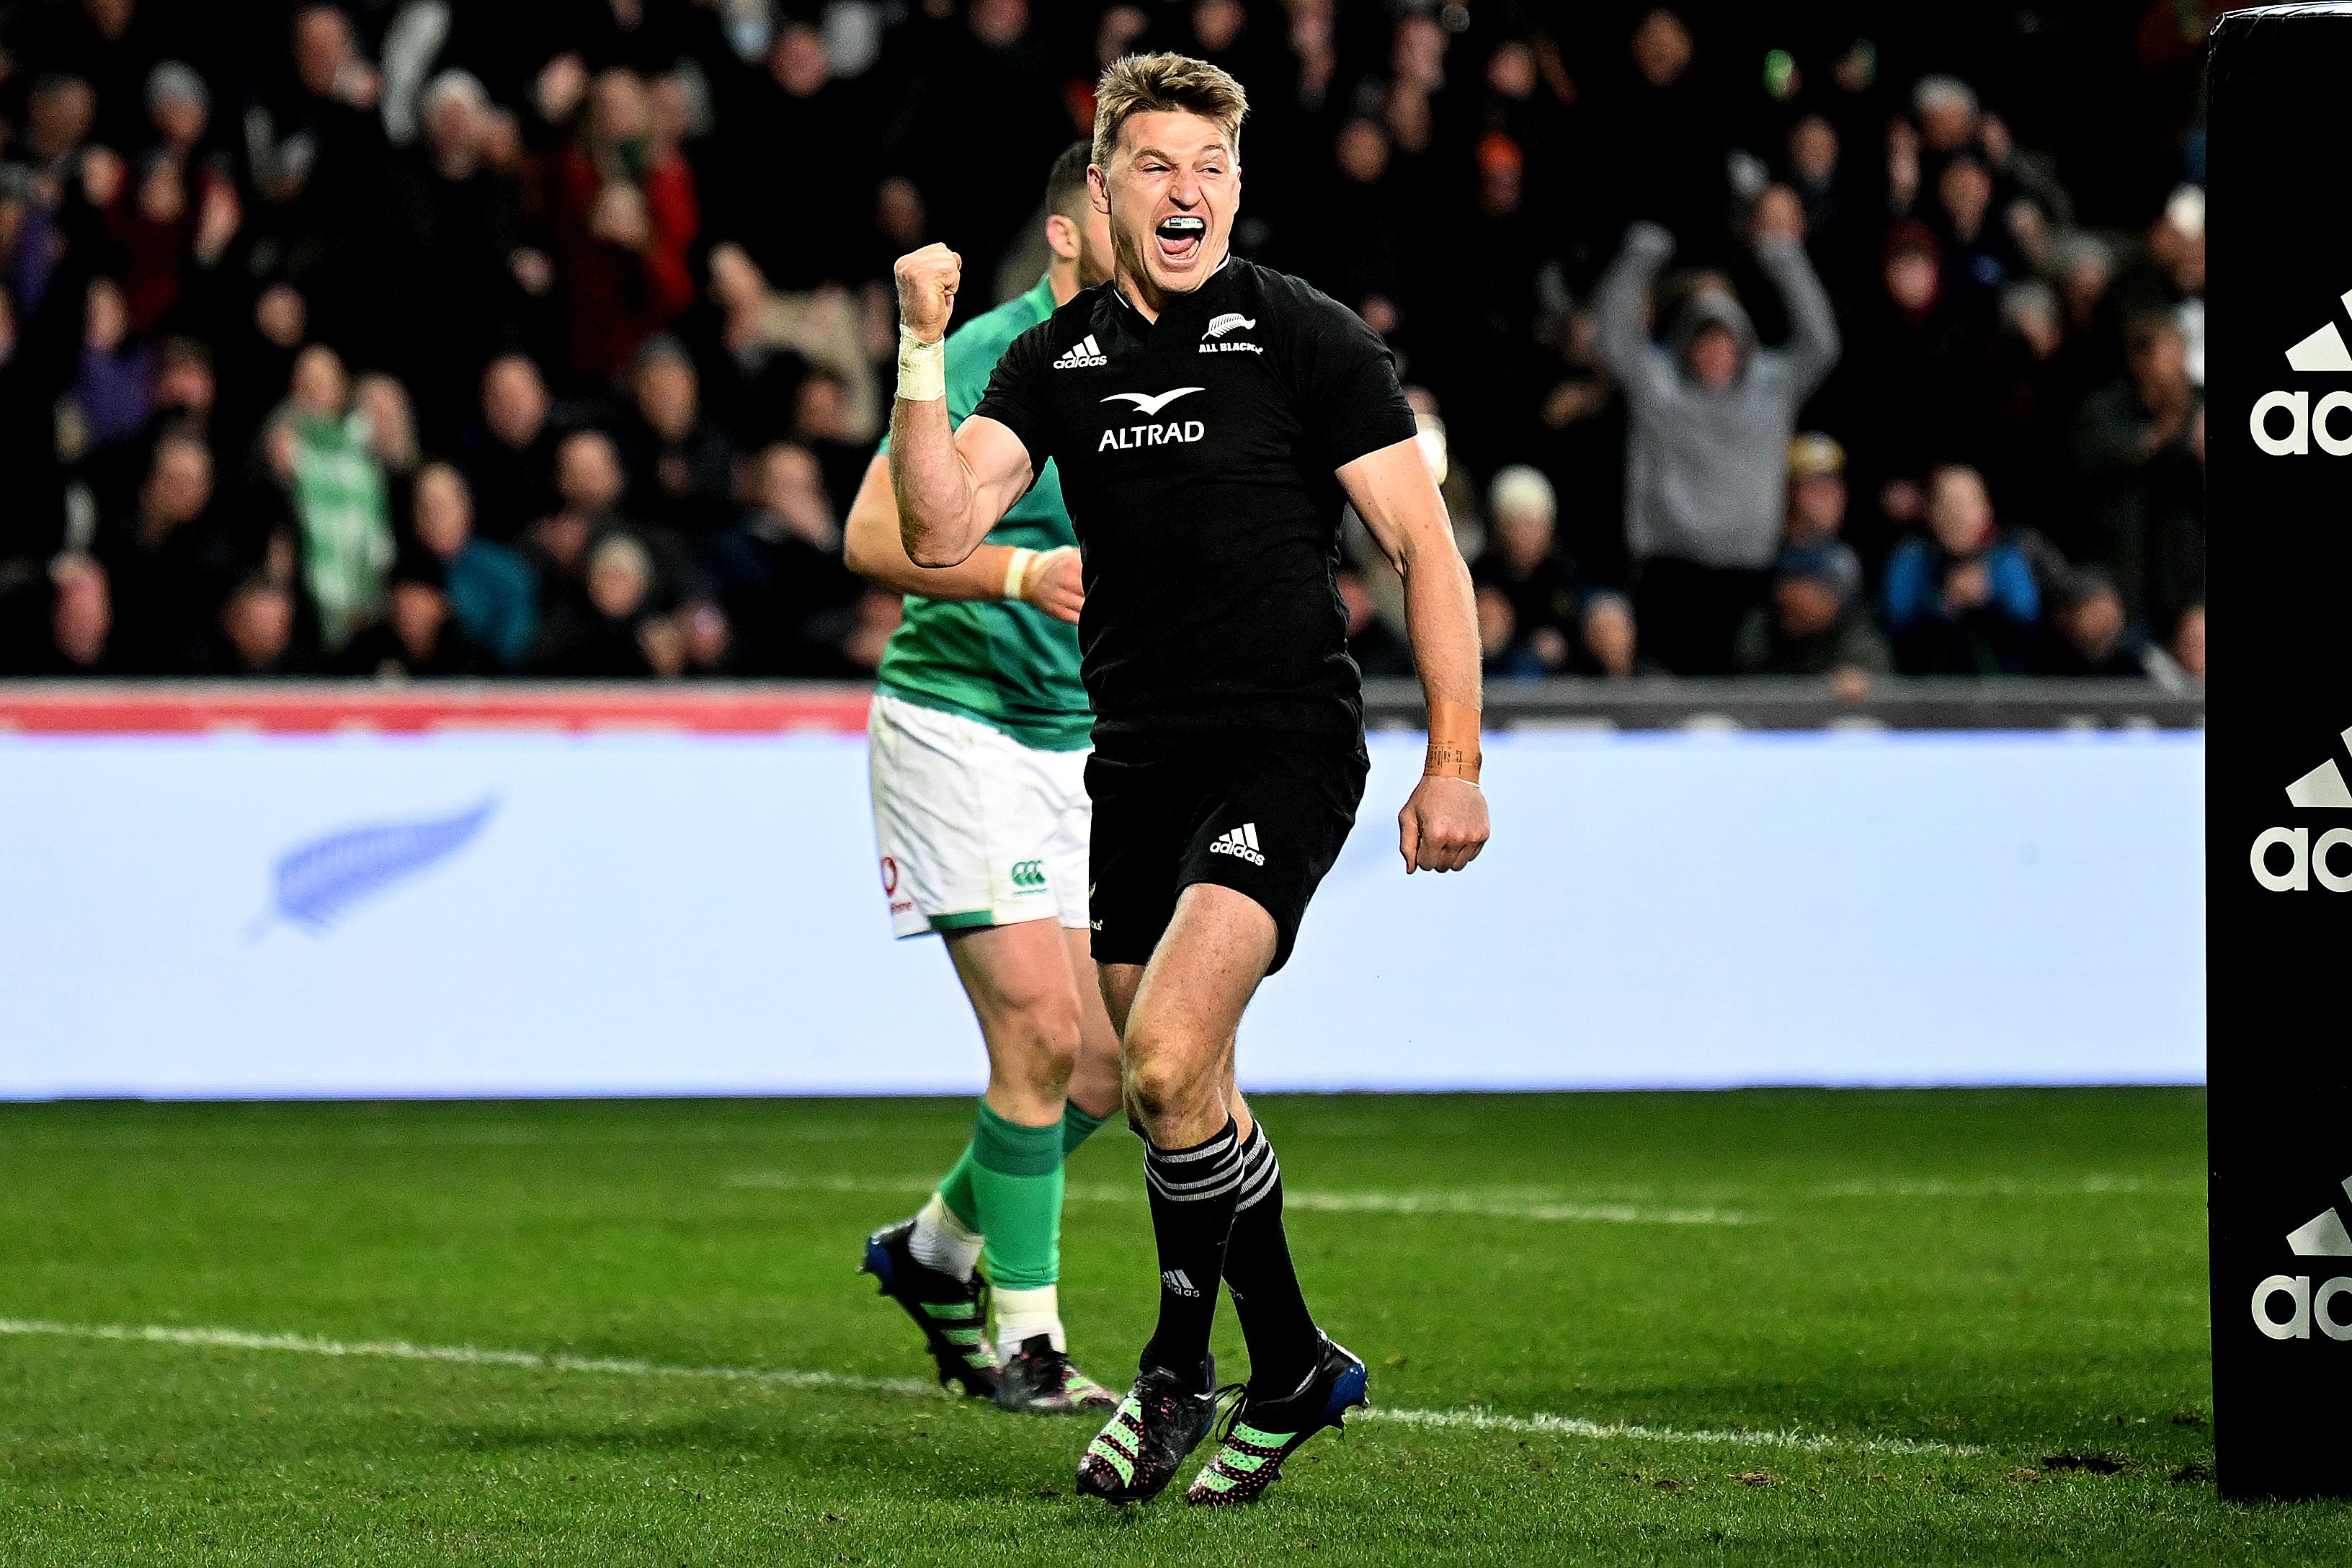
1769 1327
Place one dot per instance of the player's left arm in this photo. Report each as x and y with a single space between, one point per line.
1049 579
1444 825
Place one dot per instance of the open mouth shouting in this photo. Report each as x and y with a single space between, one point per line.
1180 239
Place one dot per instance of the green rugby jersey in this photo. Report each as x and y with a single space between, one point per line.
1008 665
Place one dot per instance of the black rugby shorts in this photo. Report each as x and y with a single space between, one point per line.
1261 812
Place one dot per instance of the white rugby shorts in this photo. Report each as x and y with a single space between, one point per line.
973 827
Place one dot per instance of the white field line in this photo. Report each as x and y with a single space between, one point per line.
616 1366
2000 1187
460 1355
1491 1205
1577 1426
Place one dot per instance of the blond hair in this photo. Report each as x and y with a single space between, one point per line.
1165 84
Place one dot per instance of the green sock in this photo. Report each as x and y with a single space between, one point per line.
1016 1186
1076 1127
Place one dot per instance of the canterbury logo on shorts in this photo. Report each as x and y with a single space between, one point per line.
1028 873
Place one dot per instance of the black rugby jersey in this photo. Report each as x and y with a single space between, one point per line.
1197 456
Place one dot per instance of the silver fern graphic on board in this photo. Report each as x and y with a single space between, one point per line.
316 883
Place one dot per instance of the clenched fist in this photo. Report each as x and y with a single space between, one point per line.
1443 827
927 281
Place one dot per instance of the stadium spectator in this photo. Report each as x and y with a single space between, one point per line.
1815 622
782 581
509 457
1558 621
111 389
61 624
814 238
681 468
1706 456
1961 598
258 634
623 210
2084 628
319 447
774 341
589 483
600 632
2139 445
492 591
418 636
465 267
160 563
170 220
1817 493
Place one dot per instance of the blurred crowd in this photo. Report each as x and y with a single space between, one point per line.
451 337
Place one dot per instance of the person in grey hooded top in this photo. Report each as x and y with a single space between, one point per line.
1710 418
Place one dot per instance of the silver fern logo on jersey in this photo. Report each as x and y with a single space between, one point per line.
1214 342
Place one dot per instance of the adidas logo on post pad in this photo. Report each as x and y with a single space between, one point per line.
2323 353
1241 843
2328 1306
2326 857
1084 355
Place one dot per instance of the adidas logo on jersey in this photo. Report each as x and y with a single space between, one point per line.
1084 355
1241 843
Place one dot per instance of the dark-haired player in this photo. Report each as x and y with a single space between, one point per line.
977 755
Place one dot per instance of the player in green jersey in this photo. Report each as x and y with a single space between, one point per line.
979 740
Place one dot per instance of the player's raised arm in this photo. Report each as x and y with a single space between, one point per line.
952 485
1444 825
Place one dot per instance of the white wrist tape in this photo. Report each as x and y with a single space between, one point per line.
923 368
1015 569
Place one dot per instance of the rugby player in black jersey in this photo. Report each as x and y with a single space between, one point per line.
1209 418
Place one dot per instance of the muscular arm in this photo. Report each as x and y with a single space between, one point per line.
874 550
1444 825
951 484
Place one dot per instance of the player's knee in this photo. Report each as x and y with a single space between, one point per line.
1159 1081
1041 1046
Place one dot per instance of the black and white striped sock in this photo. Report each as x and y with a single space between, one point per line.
1275 1321
1193 1192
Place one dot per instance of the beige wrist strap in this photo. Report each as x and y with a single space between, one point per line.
923 368
1016 573
1453 751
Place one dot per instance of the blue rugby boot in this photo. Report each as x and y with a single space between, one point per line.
1261 1433
951 1312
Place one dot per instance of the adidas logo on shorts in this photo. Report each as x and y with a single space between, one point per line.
1241 842
1084 355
